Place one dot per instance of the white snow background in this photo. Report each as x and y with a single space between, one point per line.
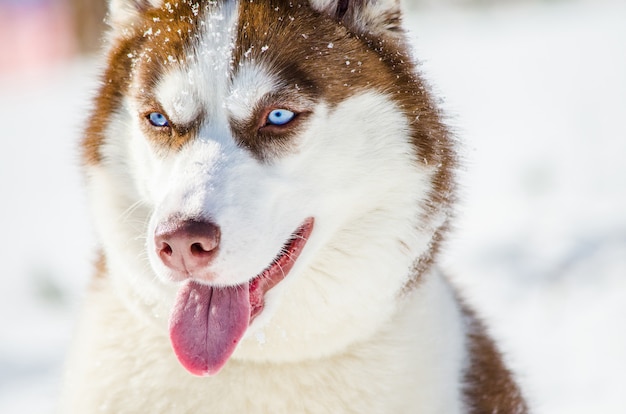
536 94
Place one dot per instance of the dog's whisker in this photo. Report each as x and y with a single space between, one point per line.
130 210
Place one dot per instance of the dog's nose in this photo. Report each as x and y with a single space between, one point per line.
187 246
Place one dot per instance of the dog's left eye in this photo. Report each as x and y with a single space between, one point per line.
158 120
280 117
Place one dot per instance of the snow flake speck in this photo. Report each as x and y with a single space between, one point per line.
260 337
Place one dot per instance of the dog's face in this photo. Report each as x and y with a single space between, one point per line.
273 167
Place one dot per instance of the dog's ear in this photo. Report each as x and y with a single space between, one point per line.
369 16
123 13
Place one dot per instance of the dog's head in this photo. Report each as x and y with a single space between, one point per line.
267 177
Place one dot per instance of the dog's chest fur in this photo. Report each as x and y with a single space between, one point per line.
132 369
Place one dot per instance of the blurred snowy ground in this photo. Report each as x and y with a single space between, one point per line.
536 94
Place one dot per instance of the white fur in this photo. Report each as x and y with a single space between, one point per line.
370 18
400 368
340 333
181 102
250 85
123 13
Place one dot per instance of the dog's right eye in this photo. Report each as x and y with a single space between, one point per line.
158 119
280 117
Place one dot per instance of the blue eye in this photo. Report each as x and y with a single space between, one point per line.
158 120
280 117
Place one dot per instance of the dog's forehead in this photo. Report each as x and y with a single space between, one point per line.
186 57
249 48
193 78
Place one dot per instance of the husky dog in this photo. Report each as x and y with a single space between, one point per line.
270 182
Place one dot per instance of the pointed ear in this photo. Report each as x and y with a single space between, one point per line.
369 16
123 13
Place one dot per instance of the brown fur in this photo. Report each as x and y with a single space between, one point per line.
489 385
141 56
100 266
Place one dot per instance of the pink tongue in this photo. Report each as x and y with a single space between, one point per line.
207 323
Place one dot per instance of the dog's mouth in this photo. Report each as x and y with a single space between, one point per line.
208 322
